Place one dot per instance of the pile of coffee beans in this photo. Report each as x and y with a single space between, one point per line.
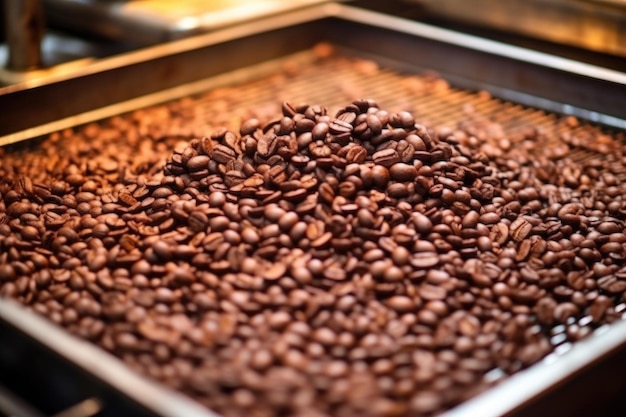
350 265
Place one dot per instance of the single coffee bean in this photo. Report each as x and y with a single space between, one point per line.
402 172
520 229
386 157
424 260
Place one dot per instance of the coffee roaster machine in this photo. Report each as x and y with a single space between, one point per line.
557 56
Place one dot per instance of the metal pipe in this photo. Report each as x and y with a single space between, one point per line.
24 27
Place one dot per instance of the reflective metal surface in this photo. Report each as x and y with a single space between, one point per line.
148 22
56 354
598 25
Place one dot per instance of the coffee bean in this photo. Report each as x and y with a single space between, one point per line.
335 274
489 218
424 260
520 229
324 336
7 272
425 402
564 311
356 154
223 154
198 221
403 172
397 190
198 162
401 256
470 220
432 292
422 223
274 272
401 303
320 131
18 208
386 157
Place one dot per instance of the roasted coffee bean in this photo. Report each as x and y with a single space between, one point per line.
223 154
422 223
356 154
489 218
403 172
386 157
198 162
424 260
520 229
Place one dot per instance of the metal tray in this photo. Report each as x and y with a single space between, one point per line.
564 383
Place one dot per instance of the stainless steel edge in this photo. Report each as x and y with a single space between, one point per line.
477 43
521 388
10 405
31 107
109 369
510 72
596 25
165 50
147 22
184 90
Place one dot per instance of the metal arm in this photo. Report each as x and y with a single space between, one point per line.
24 32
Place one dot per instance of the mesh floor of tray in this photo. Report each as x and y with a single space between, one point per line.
335 81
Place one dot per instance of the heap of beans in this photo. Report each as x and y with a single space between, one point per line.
356 265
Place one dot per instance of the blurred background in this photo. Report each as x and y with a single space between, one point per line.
67 30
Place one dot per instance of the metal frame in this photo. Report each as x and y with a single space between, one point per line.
72 370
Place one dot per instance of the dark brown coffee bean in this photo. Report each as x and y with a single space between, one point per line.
223 154
198 162
320 131
401 303
198 221
403 172
335 274
7 272
274 272
422 223
18 208
489 218
425 260
432 292
386 157
401 256
324 336
470 220
425 402
250 236
356 154
397 190
609 227
520 229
